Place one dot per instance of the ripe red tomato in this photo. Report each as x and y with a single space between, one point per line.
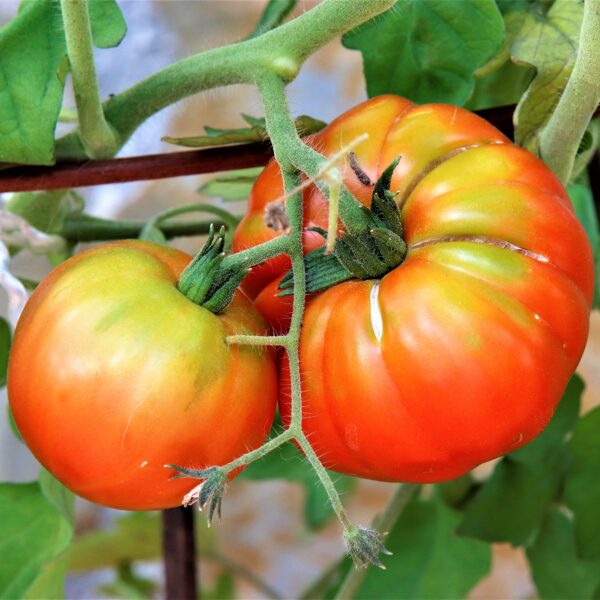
115 373
462 352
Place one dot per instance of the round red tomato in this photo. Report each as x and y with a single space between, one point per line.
462 352
115 373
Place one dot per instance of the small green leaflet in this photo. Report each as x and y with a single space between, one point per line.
108 24
231 186
548 42
5 341
256 132
582 486
33 532
428 50
273 15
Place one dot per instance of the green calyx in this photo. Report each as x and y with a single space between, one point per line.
205 282
366 254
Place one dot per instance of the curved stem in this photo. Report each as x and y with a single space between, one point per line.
562 135
382 523
281 51
230 221
96 134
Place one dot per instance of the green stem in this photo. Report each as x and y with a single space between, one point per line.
86 228
256 254
230 221
281 51
284 138
273 15
382 523
259 453
258 340
98 138
562 135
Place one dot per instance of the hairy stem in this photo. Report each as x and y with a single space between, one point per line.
560 139
382 523
281 51
97 136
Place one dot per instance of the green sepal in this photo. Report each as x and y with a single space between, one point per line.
358 255
204 282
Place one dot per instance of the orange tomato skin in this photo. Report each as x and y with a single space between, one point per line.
114 373
462 352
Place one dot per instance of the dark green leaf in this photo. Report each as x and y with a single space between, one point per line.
13 425
428 50
273 15
546 41
108 23
46 211
288 463
585 209
32 533
582 487
32 69
5 340
235 185
557 570
455 492
58 495
429 560
511 504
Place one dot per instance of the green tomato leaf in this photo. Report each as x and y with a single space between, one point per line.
5 341
428 50
32 533
151 233
57 494
582 486
273 15
548 42
108 24
510 506
429 560
32 71
46 211
585 209
288 463
232 186
512 503
557 570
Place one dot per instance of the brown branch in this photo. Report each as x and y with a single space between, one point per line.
170 164
137 168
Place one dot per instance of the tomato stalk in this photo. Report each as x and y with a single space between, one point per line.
97 136
561 137
282 51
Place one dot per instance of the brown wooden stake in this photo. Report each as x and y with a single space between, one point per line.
179 549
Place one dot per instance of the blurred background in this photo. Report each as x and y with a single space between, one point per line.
264 530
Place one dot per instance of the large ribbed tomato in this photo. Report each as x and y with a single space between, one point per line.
115 373
462 352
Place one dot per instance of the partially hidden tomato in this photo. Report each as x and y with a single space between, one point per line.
115 373
462 352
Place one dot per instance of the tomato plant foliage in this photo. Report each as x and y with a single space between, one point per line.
477 326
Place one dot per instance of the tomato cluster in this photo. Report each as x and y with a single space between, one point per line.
461 353
458 355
